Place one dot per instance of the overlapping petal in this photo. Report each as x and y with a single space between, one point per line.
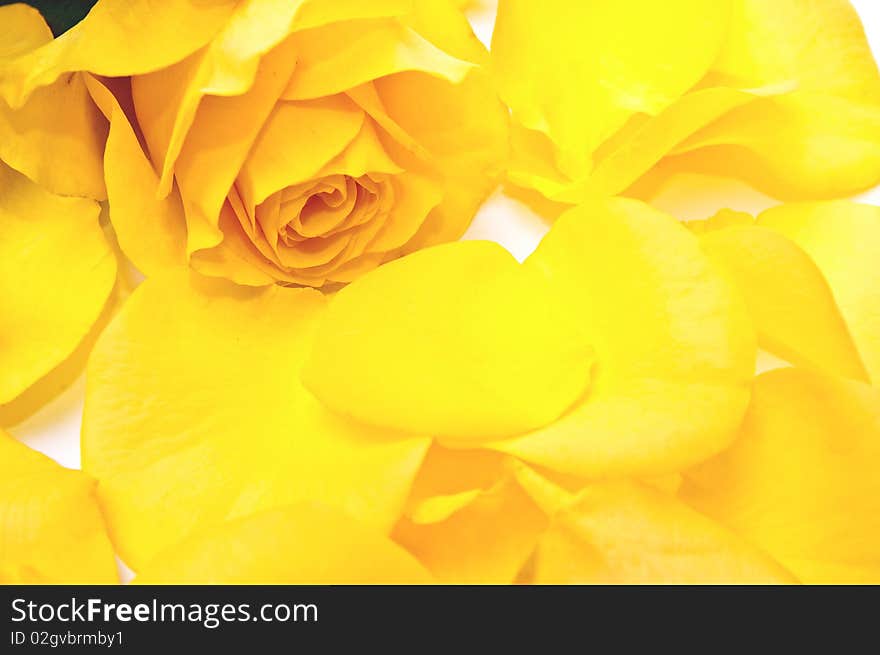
117 38
56 273
818 139
297 544
577 72
843 239
194 416
56 138
456 341
258 127
801 480
675 349
627 533
785 95
789 299
151 231
468 519
51 529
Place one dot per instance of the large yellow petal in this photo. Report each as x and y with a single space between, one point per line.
820 140
843 238
56 273
626 533
117 38
456 341
801 481
675 349
789 300
577 71
194 416
297 544
51 529
151 231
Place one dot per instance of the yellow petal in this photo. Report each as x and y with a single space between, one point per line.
297 141
675 349
782 146
801 481
819 44
297 544
168 99
57 139
464 128
444 25
578 71
150 231
222 134
788 298
630 153
117 38
469 522
51 530
22 29
818 141
337 57
843 238
192 395
56 273
456 341
625 533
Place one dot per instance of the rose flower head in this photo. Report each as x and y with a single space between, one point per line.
296 142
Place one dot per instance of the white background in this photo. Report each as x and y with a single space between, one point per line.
54 429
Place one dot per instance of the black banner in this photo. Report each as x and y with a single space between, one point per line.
413 619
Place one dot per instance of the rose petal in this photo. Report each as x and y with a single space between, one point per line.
50 523
118 38
151 231
299 544
578 71
455 341
801 481
297 141
626 533
675 349
843 238
222 134
22 29
337 57
57 138
819 140
468 521
463 127
789 300
56 273
193 395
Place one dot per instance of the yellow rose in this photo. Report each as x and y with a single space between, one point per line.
299 142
